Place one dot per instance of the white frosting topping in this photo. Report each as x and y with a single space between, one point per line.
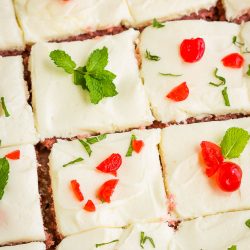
47 20
146 10
203 98
11 36
18 128
20 214
194 193
218 232
63 109
29 246
140 183
235 8
128 238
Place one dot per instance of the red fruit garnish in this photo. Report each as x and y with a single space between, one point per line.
111 164
212 156
179 93
76 189
234 60
192 50
106 190
15 155
229 176
137 145
89 206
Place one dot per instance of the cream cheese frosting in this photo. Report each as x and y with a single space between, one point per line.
18 128
29 246
125 239
63 109
20 213
203 98
138 197
193 192
217 232
11 36
47 20
235 8
144 11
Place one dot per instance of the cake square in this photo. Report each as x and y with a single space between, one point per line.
159 235
20 213
201 98
195 194
16 120
51 20
144 12
28 246
10 35
71 112
138 195
221 231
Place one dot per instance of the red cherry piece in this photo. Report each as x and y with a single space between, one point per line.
179 93
106 190
89 206
76 190
15 155
137 145
234 60
229 176
111 164
212 156
192 50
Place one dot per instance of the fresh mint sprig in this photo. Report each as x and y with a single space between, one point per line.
92 77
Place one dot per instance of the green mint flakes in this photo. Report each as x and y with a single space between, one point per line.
248 71
63 60
247 223
4 175
169 74
92 77
86 147
236 43
5 110
225 97
73 162
222 80
95 139
130 148
157 24
151 57
144 238
233 247
234 142
105 243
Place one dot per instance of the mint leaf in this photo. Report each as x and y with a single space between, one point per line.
105 243
222 80
63 60
234 142
4 175
95 139
233 247
157 24
98 60
151 57
247 223
79 77
248 72
225 97
169 74
5 110
130 148
144 238
86 147
73 162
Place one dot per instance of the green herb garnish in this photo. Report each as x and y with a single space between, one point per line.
234 142
248 71
157 24
225 97
130 148
169 74
233 247
73 162
86 147
247 223
151 57
105 243
220 78
144 238
4 175
92 77
235 42
95 139
5 110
